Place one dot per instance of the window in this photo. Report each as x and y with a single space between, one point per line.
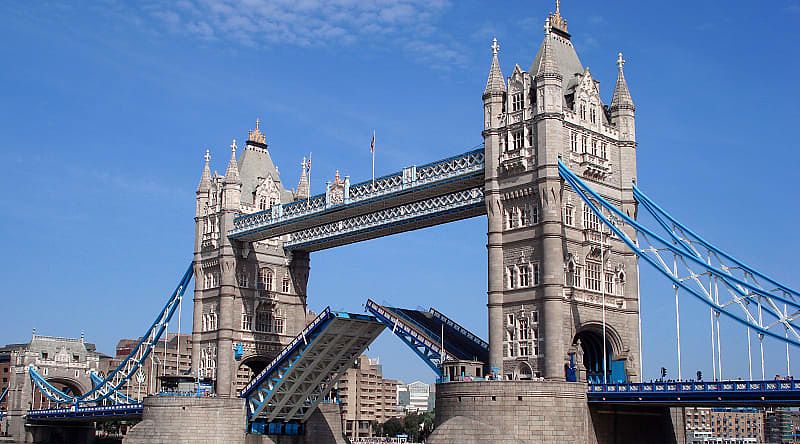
212 320
512 277
523 334
583 111
280 322
593 114
530 136
569 216
524 276
524 349
610 283
247 320
511 217
573 141
510 318
526 216
535 268
535 317
285 285
534 219
590 220
517 137
242 279
263 319
576 276
262 203
584 143
594 147
592 276
516 102
604 150
265 278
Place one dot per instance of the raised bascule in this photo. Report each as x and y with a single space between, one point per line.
555 178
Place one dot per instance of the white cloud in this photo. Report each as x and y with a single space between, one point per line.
410 25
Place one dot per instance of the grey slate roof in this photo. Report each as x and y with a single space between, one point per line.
566 58
254 163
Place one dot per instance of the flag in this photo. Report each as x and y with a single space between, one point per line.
372 144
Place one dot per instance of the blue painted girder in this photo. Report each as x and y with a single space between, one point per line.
698 394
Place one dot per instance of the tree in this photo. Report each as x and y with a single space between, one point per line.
393 427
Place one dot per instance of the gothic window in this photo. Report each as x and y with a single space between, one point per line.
263 318
247 320
280 322
535 273
285 285
584 143
593 276
534 219
512 277
262 203
573 141
265 278
594 147
510 319
609 283
593 114
524 349
524 276
516 102
512 217
534 317
569 215
525 219
241 279
577 276
212 319
590 220
583 111
604 150
530 136
523 334
273 201
517 135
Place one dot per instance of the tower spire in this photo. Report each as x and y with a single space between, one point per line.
256 137
205 178
303 185
556 20
495 82
232 173
622 96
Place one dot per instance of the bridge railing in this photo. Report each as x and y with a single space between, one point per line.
410 177
695 386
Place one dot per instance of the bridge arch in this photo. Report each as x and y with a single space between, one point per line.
589 341
249 367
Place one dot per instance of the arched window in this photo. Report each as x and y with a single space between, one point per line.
242 279
265 278
247 319
286 285
262 203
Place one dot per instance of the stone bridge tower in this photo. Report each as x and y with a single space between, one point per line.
554 271
250 297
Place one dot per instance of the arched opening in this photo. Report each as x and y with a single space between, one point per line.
591 344
248 369
523 371
67 386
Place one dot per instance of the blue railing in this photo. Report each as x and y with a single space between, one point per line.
87 412
783 392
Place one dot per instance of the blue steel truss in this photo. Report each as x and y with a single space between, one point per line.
417 330
98 413
3 395
447 176
686 394
107 388
726 285
304 372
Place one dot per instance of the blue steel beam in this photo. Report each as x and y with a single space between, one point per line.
413 184
698 394
744 294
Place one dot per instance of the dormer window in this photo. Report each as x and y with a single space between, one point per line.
593 115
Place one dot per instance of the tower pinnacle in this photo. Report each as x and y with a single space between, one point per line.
548 64
205 178
556 20
232 173
256 136
495 82
622 96
303 190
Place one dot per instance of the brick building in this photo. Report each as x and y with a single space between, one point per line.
730 425
165 359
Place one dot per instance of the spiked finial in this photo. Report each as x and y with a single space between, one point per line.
232 173
207 156
556 20
622 96
495 83
205 178
233 148
303 186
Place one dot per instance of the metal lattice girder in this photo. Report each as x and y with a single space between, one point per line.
292 385
413 184
692 264
109 386
412 216
422 332
708 394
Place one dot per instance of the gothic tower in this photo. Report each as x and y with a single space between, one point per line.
555 273
250 297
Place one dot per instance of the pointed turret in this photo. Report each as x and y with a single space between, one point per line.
303 190
205 178
622 95
232 173
495 83
548 65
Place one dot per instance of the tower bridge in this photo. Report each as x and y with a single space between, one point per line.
555 178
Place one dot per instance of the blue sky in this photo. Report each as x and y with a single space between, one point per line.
107 109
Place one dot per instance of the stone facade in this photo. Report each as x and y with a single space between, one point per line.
248 293
553 268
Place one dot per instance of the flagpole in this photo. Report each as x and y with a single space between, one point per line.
308 198
373 159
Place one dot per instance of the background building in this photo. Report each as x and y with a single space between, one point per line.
367 399
778 426
165 359
416 397
724 425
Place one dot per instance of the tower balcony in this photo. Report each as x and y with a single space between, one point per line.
515 159
209 241
592 166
